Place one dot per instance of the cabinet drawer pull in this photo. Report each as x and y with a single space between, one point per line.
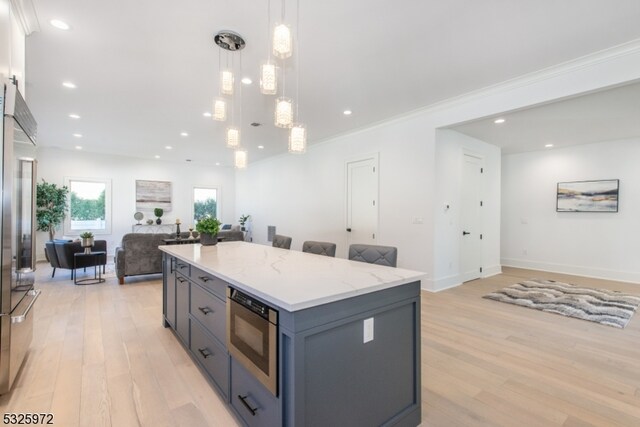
205 310
205 279
181 280
205 352
181 266
246 405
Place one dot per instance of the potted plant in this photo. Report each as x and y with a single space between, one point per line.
158 212
208 228
243 220
51 206
87 241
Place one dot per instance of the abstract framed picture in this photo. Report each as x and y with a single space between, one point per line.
153 194
588 196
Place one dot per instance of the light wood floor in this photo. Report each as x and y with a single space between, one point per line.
100 356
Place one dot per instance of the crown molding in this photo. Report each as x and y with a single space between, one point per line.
25 14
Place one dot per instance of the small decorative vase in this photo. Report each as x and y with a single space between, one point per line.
158 221
208 239
87 244
191 234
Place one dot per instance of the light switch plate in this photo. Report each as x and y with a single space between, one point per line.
368 330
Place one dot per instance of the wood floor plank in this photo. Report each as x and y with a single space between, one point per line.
101 356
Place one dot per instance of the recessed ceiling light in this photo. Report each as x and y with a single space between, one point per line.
69 85
499 121
156 156
217 163
78 147
74 116
206 114
184 134
77 135
246 81
347 112
548 145
261 146
168 147
61 25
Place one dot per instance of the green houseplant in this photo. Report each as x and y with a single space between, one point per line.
208 228
51 206
243 220
158 212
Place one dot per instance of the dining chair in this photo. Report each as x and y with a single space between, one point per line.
372 254
283 242
319 248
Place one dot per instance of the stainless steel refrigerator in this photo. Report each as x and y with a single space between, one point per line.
17 232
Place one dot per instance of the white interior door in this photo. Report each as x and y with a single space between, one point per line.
362 201
471 218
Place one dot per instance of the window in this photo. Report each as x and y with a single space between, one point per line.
205 203
89 206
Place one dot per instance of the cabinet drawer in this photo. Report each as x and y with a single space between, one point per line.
210 311
213 357
207 281
254 403
183 267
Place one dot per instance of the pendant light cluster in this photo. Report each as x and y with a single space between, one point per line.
272 78
282 46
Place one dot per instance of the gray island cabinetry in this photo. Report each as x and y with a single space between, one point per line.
340 343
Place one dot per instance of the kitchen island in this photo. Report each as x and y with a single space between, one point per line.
347 340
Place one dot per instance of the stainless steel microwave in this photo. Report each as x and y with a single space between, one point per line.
252 337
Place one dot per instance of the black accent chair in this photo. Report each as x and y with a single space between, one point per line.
282 242
60 254
319 248
372 254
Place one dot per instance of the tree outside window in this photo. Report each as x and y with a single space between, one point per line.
205 203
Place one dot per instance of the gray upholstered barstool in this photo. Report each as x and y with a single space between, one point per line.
382 255
283 242
319 248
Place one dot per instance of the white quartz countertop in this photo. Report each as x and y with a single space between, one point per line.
288 279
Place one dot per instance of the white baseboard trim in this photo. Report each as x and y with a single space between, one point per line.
576 270
452 281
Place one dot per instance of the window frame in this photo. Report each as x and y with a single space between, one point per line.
107 206
193 201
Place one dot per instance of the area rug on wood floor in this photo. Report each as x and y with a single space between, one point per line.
610 308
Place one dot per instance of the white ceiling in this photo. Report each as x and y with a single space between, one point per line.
146 70
606 115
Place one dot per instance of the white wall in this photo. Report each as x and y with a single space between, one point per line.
12 44
55 164
592 244
450 149
304 195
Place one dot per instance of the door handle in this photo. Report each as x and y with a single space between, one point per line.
464 233
22 317
349 230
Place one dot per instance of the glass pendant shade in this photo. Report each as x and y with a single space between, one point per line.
240 159
298 139
268 79
284 112
233 137
282 41
226 82
219 109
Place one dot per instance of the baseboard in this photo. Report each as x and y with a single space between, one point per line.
452 281
576 270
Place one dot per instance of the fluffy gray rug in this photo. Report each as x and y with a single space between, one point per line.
602 306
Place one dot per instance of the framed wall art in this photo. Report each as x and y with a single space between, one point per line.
153 194
588 196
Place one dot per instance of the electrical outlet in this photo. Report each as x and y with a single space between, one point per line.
368 330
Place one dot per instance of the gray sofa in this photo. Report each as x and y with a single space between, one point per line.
139 254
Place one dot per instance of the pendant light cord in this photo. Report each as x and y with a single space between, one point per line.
297 46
